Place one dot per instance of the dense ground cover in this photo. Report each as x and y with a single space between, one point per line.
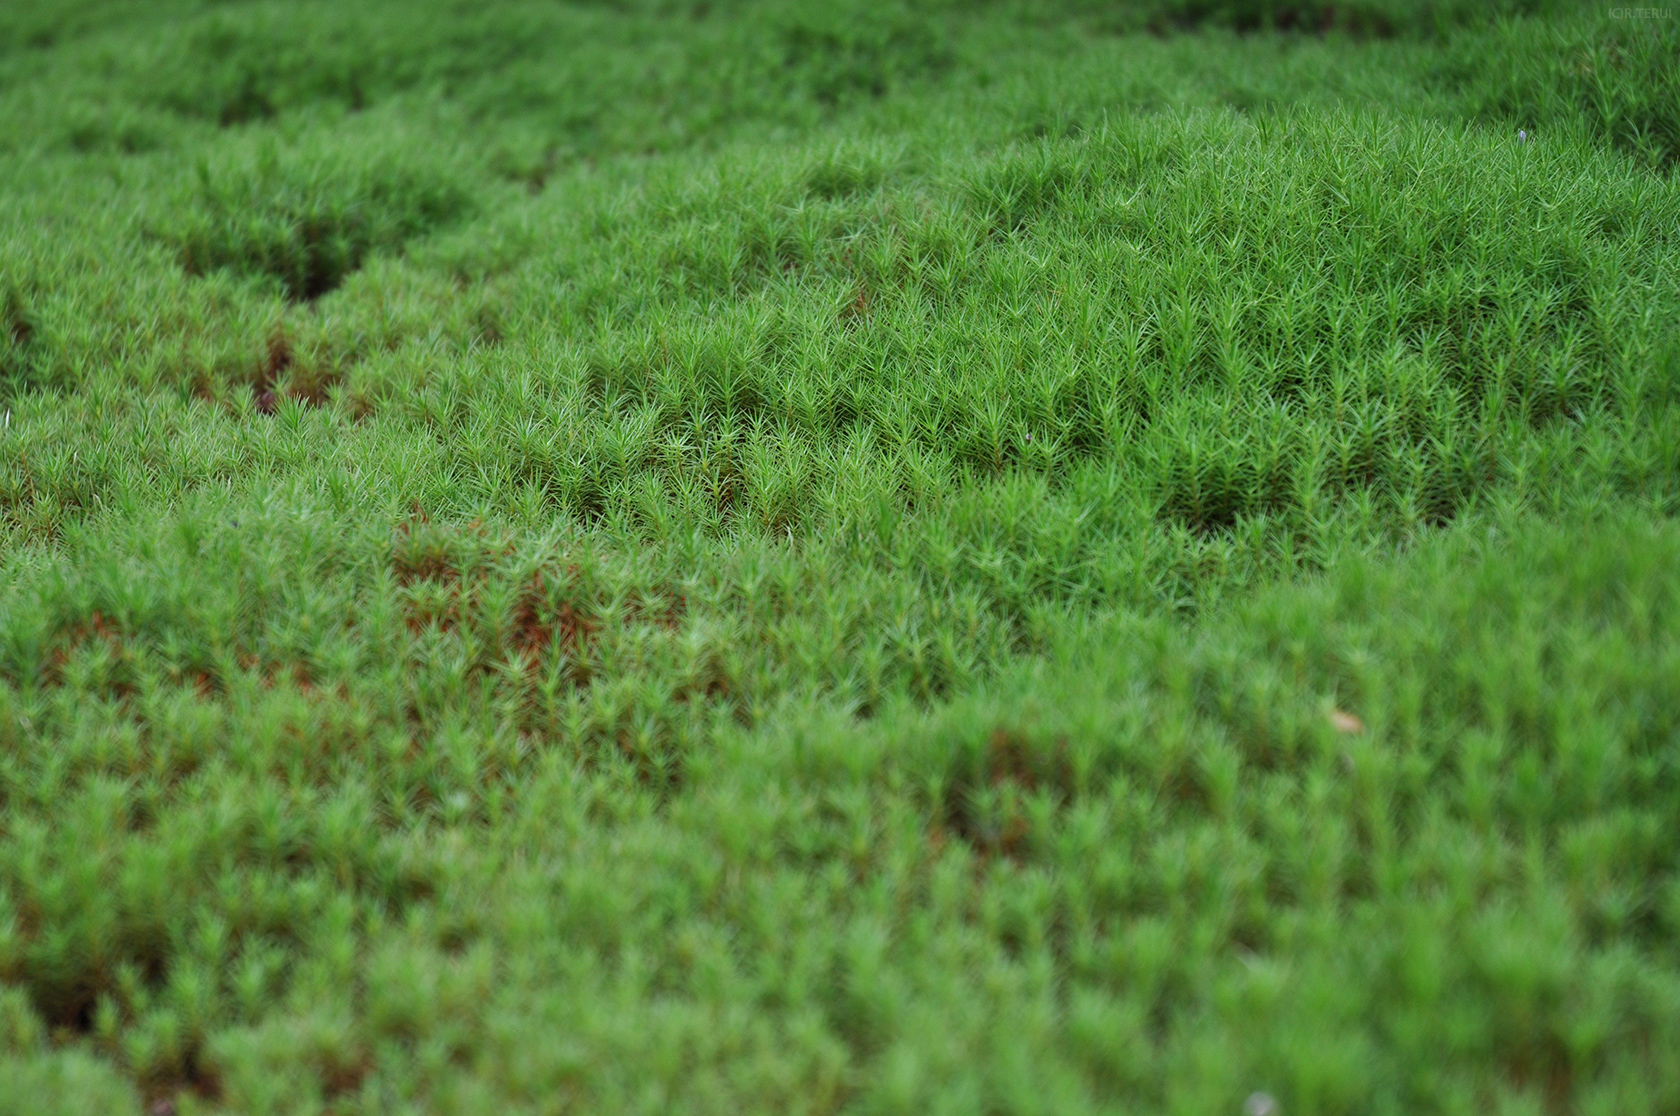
877 557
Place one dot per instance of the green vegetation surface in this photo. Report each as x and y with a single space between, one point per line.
938 556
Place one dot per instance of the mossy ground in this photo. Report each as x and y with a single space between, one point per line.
886 557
